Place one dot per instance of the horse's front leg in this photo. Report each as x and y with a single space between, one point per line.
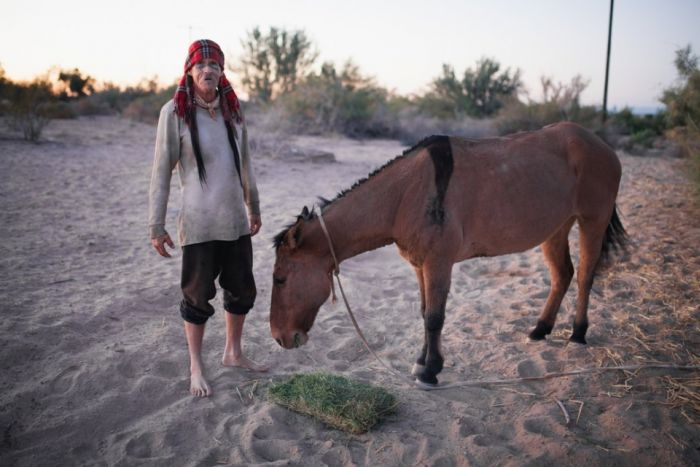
437 286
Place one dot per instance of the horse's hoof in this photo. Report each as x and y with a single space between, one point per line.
540 331
427 378
535 336
425 386
579 333
417 369
578 339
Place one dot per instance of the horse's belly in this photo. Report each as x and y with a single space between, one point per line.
512 230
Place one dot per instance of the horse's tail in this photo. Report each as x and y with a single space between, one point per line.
616 238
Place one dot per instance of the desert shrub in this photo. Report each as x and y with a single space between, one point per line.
24 104
627 123
59 110
343 102
146 108
683 100
479 93
643 138
683 110
560 102
111 99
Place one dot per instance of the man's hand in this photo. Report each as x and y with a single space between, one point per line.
255 223
159 244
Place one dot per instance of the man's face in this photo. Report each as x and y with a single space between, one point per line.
205 74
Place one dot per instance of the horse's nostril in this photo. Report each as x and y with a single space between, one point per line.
279 341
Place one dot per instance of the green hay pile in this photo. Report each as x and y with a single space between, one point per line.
337 401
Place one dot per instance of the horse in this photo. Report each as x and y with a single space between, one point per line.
448 199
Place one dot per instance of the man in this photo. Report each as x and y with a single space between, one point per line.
198 134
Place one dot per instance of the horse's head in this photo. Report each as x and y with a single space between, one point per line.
301 283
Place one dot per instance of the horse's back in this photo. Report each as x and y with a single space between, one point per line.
513 192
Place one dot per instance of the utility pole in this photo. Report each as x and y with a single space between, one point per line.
607 65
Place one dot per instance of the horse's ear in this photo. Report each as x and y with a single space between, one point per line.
294 236
304 213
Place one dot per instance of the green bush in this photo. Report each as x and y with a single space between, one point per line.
683 110
24 105
627 123
480 93
146 108
58 110
683 100
644 138
342 102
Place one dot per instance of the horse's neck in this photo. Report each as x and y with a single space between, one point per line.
362 220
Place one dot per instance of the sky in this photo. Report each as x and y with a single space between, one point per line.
401 43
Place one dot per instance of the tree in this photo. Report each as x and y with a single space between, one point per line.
683 100
77 84
484 87
479 93
273 63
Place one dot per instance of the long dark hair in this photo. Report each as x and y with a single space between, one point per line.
191 121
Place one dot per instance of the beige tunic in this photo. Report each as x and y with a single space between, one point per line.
215 210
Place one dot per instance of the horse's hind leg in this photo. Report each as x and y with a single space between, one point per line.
561 270
437 279
420 361
591 242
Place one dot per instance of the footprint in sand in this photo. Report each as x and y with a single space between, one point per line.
348 351
142 446
468 426
65 380
166 369
540 426
126 368
528 368
274 450
275 443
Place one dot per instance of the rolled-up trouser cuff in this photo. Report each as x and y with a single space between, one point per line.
194 315
240 305
236 310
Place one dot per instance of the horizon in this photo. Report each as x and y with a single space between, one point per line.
401 45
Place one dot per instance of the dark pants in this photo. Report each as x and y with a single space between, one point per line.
232 262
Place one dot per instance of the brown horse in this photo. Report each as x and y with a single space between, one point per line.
449 199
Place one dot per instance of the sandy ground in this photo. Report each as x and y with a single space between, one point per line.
94 364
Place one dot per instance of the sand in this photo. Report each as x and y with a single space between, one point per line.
95 368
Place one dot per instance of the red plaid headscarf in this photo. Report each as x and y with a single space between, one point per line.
184 96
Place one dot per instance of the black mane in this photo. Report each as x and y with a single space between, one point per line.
323 202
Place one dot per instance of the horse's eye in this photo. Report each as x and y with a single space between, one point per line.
279 280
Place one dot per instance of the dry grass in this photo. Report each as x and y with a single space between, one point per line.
684 393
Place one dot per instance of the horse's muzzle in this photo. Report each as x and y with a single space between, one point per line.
291 340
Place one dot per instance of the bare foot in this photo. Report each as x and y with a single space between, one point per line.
199 386
242 362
